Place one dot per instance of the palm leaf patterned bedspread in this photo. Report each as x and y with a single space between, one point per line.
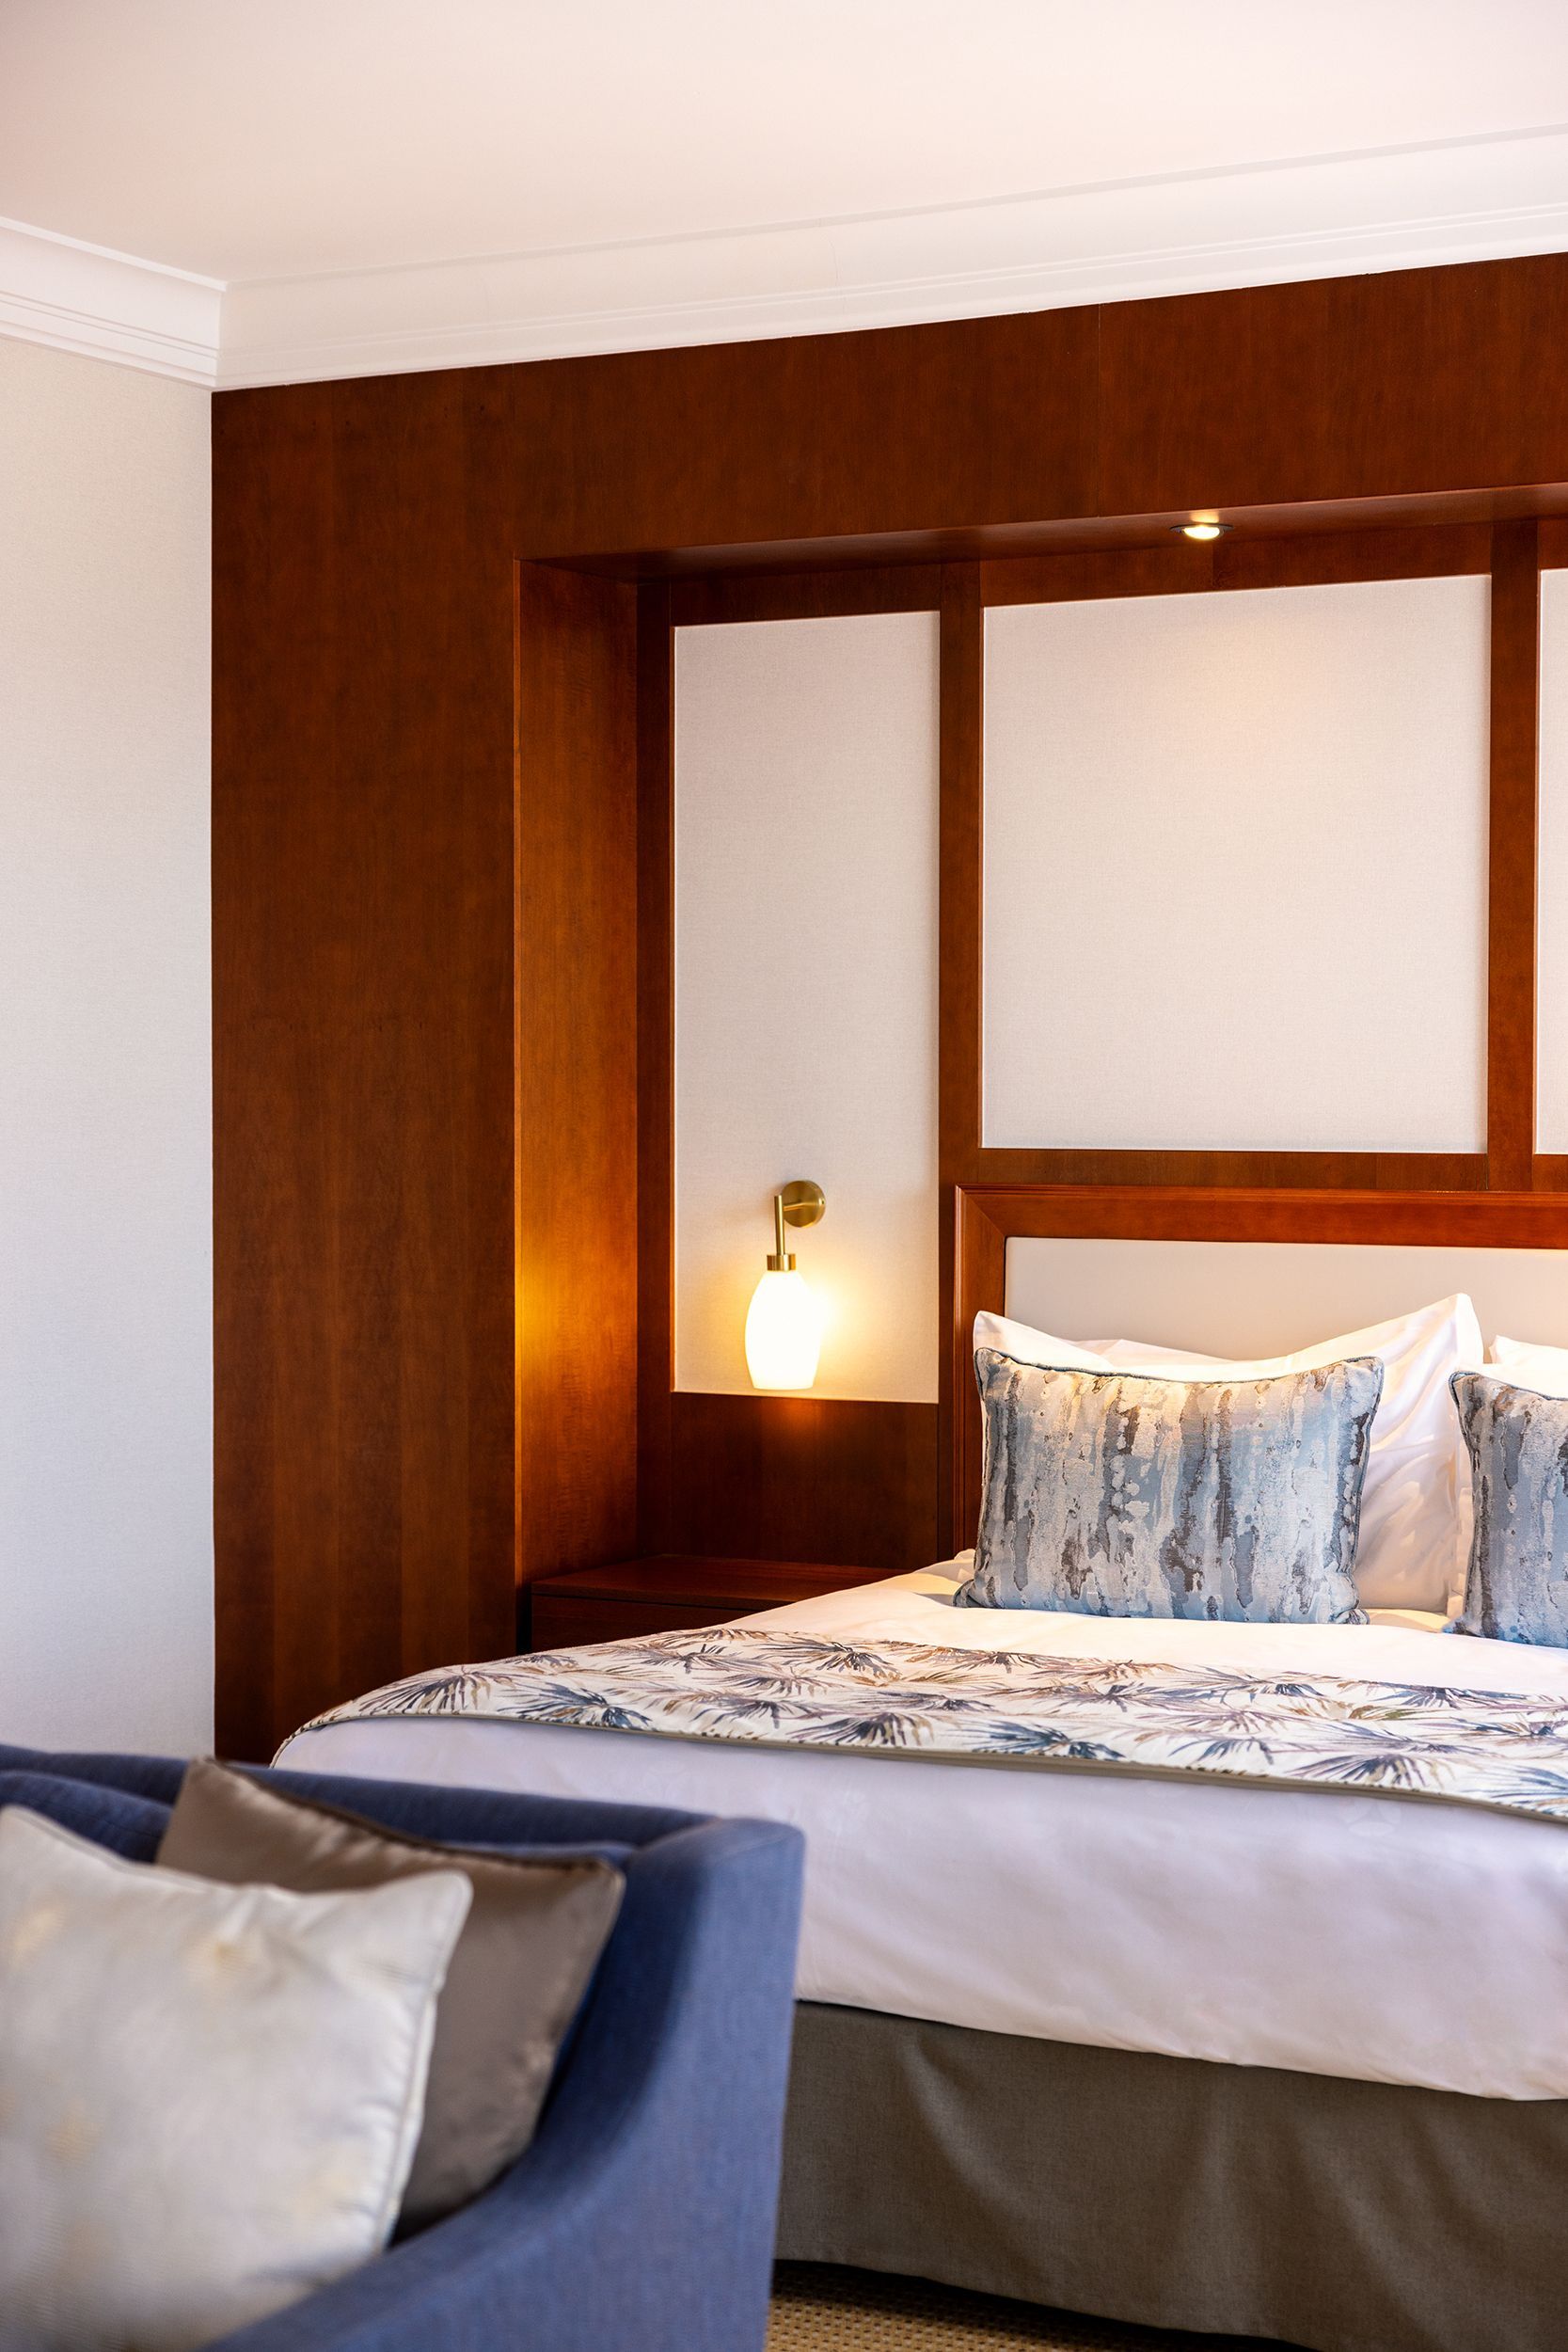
1502 1750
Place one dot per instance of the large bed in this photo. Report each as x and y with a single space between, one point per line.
1269 2041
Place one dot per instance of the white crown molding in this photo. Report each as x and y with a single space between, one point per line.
1331 217
1324 216
107 306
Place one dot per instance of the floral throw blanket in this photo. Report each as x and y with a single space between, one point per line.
903 1698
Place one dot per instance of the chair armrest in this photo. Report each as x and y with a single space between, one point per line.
641 2217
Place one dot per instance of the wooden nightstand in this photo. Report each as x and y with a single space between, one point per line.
671 1591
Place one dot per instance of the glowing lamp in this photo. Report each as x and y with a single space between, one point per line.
1202 527
784 1325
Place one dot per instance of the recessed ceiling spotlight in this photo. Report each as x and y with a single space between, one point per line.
1202 527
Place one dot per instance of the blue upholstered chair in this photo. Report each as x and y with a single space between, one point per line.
642 2217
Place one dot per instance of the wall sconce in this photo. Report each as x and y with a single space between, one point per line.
783 1327
1202 527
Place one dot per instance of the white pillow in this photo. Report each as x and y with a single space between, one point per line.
1026 1345
1528 1366
1415 1504
209 2095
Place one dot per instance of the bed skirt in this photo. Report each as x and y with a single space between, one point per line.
1347 2217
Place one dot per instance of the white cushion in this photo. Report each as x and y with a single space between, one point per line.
209 2095
1416 1502
1529 1365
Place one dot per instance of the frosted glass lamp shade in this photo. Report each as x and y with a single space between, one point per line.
784 1333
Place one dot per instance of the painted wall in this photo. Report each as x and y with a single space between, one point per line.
806 989
105 1193
1236 870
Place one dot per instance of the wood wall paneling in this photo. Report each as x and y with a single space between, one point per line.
577 1161
362 918
959 962
1346 388
809 437
370 1098
804 1478
1513 847
1180 566
656 1063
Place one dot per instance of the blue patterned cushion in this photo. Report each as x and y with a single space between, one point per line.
1516 1589
1134 1495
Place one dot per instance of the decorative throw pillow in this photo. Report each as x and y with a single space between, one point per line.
209 2095
521 1968
1415 1505
1518 1586
1132 1495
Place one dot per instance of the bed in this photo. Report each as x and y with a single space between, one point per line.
1100 2004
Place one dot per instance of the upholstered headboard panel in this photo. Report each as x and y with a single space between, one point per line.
1238 1272
1261 1299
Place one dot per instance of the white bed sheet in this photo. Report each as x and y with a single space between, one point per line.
1315 1930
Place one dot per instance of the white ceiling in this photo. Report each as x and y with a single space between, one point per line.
376 181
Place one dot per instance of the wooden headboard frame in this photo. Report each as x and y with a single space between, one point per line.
987 1216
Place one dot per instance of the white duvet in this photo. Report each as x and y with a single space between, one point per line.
1316 1930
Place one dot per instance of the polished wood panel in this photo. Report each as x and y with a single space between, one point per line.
960 962
987 1216
726 596
577 1249
561 1621
672 1593
809 437
805 1477
1346 388
696 1580
1318 1171
1180 566
1512 830
656 1062
362 1057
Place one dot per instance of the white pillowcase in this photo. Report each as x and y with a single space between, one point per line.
1415 1504
209 2095
1530 1366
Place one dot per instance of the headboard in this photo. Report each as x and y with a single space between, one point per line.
1502 1247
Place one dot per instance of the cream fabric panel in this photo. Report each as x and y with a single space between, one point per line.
1251 1298
806 989
1236 869
1552 968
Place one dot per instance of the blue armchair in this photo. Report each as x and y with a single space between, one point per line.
642 2215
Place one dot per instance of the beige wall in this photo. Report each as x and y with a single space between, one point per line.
806 988
1235 870
106 1255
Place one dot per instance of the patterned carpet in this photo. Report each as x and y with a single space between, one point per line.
816 2308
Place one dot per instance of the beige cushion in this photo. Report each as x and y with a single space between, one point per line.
209 2095
521 1968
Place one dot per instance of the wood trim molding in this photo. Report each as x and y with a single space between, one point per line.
987 1216
961 915
1513 845
656 1062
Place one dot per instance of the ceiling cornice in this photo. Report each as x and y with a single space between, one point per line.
107 306
1325 217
